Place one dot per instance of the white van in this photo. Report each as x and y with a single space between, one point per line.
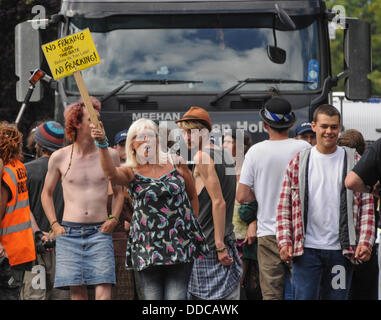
362 116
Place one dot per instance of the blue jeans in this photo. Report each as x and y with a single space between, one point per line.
166 282
321 274
288 293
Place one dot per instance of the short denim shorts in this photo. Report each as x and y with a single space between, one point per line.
84 256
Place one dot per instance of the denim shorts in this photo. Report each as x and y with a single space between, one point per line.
84 256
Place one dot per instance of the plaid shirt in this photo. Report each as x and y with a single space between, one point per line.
289 224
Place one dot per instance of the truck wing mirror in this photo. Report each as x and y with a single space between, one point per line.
27 58
357 59
276 54
285 18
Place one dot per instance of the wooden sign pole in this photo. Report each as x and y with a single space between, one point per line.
86 98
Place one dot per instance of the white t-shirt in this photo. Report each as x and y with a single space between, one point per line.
263 168
325 177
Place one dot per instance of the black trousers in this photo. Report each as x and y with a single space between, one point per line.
11 280
365 279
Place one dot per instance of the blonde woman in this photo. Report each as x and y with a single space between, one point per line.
164 236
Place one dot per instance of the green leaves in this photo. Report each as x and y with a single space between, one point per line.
369 11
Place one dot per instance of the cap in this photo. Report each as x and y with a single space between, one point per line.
120 136
303 127
50 135
197 114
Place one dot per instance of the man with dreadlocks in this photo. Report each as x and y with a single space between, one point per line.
17 249
84 249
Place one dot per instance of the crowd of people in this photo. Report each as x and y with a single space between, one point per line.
285 218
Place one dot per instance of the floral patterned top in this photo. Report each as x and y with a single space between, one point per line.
164 229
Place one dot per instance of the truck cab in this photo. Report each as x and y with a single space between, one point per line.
158 58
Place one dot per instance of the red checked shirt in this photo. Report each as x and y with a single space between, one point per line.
289 224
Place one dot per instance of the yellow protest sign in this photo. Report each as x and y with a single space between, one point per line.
72 53
68 56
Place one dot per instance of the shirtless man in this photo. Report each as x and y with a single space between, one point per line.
216 276
84 249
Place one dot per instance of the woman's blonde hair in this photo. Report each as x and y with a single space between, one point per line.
191 124
135 128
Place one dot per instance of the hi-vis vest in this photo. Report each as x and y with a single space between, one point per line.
16 233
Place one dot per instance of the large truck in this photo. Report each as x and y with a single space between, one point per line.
159 57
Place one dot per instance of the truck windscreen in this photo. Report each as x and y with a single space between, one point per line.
215 54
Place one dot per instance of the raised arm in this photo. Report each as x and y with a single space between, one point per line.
117 175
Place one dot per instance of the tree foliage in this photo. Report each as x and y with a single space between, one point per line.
369 11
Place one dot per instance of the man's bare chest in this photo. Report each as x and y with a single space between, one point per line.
84 171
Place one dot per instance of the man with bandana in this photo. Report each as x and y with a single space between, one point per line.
261 179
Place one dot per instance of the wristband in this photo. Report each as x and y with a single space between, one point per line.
112 217
221 249
51 225
102 145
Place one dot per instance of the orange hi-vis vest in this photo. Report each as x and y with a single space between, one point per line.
16 233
